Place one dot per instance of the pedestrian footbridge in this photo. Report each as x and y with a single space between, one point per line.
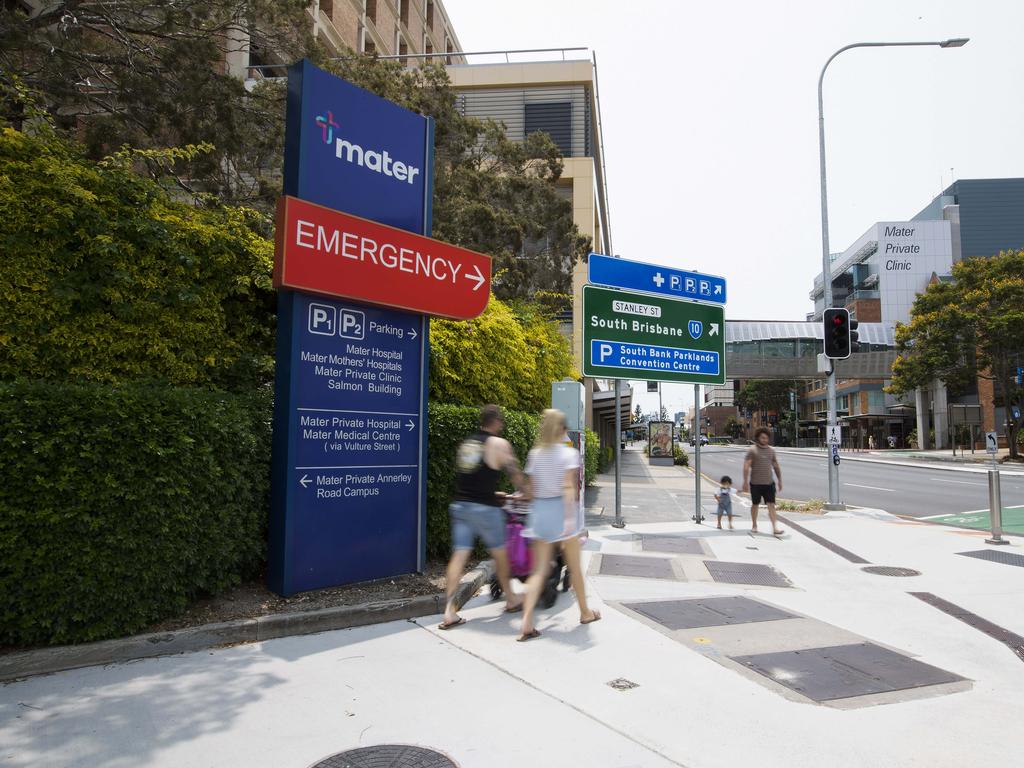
759 349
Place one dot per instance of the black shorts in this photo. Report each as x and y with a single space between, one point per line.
766 492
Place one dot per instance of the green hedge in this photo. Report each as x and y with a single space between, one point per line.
449 426
592 457
120 504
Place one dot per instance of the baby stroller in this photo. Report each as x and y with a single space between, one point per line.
520 557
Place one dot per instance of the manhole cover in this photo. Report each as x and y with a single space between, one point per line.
622 684
996 556
843 671
681 545
708 612
890 570
387 756
645 567
746 573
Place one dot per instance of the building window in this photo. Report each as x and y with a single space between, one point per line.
403 11
403 49
327 8
447 49
428 47
371 10
430 15
368 46
555 119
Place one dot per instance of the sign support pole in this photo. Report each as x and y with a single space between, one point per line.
697 509
619 522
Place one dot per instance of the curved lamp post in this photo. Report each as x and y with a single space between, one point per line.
826 272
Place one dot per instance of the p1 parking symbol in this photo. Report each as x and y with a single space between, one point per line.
323 319
353 324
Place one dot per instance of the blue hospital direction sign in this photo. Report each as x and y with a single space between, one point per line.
629 335
355 430
653 278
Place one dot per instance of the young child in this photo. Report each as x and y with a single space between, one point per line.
724 499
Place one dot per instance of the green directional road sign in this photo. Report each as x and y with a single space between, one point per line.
629 335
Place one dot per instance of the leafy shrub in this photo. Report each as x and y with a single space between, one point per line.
592 457
120 504
449 425
681 457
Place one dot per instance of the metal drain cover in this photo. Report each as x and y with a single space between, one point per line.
645 567
996 556
708 612
843 671
387 756
680 545
746 573
890 570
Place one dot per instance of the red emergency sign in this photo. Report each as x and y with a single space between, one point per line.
323 251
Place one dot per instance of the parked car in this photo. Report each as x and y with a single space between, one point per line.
703 440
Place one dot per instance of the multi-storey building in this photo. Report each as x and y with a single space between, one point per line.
878 277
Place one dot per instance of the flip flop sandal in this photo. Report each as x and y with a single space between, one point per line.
533 633
515 609
451 624
597 617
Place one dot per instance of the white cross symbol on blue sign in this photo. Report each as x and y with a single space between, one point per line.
658 279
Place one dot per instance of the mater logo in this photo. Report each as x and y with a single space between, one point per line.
378 161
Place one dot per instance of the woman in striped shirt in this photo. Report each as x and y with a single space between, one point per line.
553 467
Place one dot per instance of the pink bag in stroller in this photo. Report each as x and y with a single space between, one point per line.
517 547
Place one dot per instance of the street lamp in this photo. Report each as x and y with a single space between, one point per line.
826 271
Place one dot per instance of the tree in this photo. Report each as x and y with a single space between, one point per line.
151 74
733 428
663 413
965 329
491 194
637 414
106 278
766 394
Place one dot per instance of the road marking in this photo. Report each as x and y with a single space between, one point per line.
936 517
961 482
872 487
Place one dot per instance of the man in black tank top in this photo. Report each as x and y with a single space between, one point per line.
476 511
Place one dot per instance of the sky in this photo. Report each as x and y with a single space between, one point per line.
709 116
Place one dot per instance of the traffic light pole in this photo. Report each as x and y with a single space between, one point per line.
826 283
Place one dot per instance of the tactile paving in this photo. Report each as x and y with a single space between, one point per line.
844 671
644 567
679 545
708 612
746 573
996 556
387 756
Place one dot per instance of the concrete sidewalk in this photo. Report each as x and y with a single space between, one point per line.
625 691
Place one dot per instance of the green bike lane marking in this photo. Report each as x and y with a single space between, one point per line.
1013 519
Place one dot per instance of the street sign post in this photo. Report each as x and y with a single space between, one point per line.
992 442
653 278
638 336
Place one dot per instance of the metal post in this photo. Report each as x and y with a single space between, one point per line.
697 510
619 522
660 406
995 504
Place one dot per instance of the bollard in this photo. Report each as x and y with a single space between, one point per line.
995 504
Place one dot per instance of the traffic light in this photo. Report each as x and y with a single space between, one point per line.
837 333
854 337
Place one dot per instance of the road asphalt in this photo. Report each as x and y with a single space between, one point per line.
788 685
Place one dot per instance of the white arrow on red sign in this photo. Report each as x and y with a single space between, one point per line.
328 252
